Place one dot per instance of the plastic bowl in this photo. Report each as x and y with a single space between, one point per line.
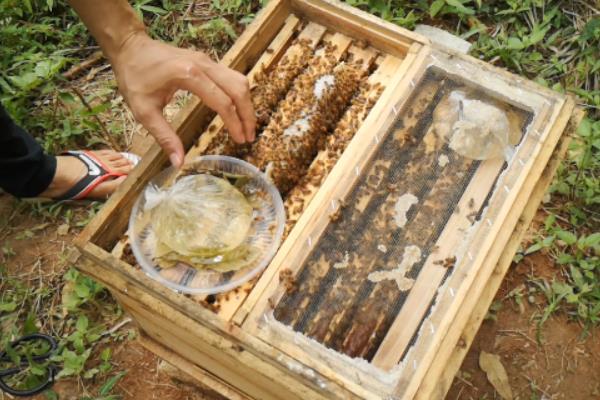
267 228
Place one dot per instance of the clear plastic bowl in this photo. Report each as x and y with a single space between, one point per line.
267 225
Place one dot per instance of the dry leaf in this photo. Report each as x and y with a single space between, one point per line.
63 229
496 374
40 227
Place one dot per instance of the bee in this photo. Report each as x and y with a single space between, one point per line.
336 215
472 216
447 263
362 44
288 280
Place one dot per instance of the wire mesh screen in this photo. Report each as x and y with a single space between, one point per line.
357 276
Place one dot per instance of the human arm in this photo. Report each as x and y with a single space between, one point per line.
149 72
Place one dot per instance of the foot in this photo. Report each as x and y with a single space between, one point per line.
69 170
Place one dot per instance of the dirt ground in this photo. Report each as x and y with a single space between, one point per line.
566 365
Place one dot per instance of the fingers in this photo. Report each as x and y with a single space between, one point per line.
152 119
236 86
213 96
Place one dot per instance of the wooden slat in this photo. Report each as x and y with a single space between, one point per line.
360 219
312 33
233 302
376 119
363 329
426 285
489 246
440 375
111 221
196 372
181 342
351 21
299 197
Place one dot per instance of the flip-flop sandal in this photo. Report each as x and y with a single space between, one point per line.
97 172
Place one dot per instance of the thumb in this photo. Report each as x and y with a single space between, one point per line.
153 120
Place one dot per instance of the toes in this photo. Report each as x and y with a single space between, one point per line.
105 189
122 162
123 169
108 155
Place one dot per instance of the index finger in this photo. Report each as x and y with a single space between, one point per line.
236 86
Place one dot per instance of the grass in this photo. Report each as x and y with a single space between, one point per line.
555 43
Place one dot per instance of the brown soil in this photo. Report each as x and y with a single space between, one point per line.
565 365
143 379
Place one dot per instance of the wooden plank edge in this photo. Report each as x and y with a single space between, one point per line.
183 341
119 277
196 373
354 22
269 275
427 282
440 375
516 81
412 378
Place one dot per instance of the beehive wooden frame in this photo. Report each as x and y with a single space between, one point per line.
230 350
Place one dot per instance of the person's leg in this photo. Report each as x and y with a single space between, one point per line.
26 171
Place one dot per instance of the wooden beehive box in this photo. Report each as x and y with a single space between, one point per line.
395 245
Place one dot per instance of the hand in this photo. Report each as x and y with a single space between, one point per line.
150 72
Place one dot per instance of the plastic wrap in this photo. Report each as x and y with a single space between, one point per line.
200 218
473 128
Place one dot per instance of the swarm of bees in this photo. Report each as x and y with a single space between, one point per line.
284 95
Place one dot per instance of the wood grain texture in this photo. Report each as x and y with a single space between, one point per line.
195 372
440 375
396 91
337 16
490 247
207 334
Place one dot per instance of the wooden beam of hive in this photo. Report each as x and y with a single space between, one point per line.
365 327
441 373
214 138
405 324
312 285
437 262
453 307
301 195
384 241
230 304
288 143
